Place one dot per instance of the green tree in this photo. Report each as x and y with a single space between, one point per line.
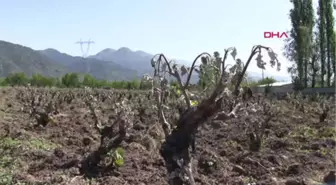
145 84
299 45
41 81
135 84
330 40
71 80
308 21
16 79
334 56
267 80
58 82
2 82
322 34
89 81
314 64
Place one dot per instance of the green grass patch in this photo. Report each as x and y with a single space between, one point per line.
309 132
33 144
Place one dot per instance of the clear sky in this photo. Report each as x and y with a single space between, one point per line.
178 28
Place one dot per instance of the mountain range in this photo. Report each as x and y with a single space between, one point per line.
108 64
134 60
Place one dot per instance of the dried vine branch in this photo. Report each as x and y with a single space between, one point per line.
175 149
109 140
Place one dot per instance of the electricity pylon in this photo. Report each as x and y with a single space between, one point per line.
85 52
88 43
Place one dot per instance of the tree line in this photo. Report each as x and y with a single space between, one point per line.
74 80
311 46
70 80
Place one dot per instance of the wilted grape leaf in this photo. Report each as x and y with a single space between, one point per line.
164 66
260 63
234 53
238 61
183 70
196 70
278 66
272 55
233 69
153 63
204 60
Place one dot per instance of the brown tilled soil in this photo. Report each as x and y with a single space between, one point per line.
298 149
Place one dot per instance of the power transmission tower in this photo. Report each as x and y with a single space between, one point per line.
85 52
88 43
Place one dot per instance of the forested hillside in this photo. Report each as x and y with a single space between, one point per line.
15 58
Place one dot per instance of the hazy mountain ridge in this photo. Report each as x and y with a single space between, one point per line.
17 58
50 62
108 64
136 60
140 61
97 68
